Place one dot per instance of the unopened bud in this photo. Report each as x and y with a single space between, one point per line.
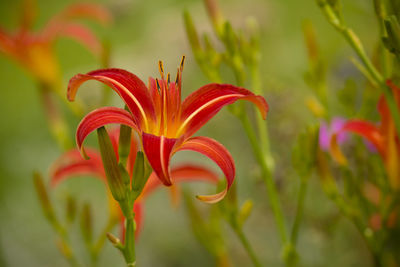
304 155
141 172
43 196
245 211
315 107
110 164
71 209
311 41
124 174
328 182
124 143
191 32
215 14
113 239
105 54
86 223
392 41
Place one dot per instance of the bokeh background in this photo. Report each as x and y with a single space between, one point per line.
142 33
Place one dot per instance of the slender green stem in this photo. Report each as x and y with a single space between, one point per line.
299 212
260 154
243 239
262 125
266 176
129 250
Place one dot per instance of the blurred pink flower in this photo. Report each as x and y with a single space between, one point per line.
327 130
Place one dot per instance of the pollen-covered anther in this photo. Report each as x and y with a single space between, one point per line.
158 85
161 69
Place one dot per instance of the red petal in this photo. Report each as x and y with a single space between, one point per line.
220 155
7 44
89 11
366 130
181 174
386 117
200 106
158 150
79 33
130 88
72 164
99 118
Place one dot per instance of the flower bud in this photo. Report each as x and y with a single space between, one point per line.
43 196
114 179
215 14
191 32
86 223
304 155
71 209
245 211
392 41
141 172
114 240
124 143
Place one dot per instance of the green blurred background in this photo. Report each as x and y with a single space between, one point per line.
144 32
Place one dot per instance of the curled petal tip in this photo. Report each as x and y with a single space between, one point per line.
211 199
83 153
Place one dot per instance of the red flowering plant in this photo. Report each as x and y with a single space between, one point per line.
379 191
71 164
35 52
164 124
383 137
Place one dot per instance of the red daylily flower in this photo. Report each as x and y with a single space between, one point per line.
164 124
72 164
383 137
34 50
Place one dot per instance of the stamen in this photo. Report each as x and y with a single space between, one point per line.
177 77
180 70
182 63
158 86
168 79
161 69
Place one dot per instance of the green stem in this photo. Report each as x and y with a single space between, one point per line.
266 176
262 125
129 249
299 212
243 239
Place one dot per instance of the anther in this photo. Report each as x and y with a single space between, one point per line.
177 77
158 85
161 69
182 63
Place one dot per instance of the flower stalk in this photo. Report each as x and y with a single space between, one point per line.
119 189
241 54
